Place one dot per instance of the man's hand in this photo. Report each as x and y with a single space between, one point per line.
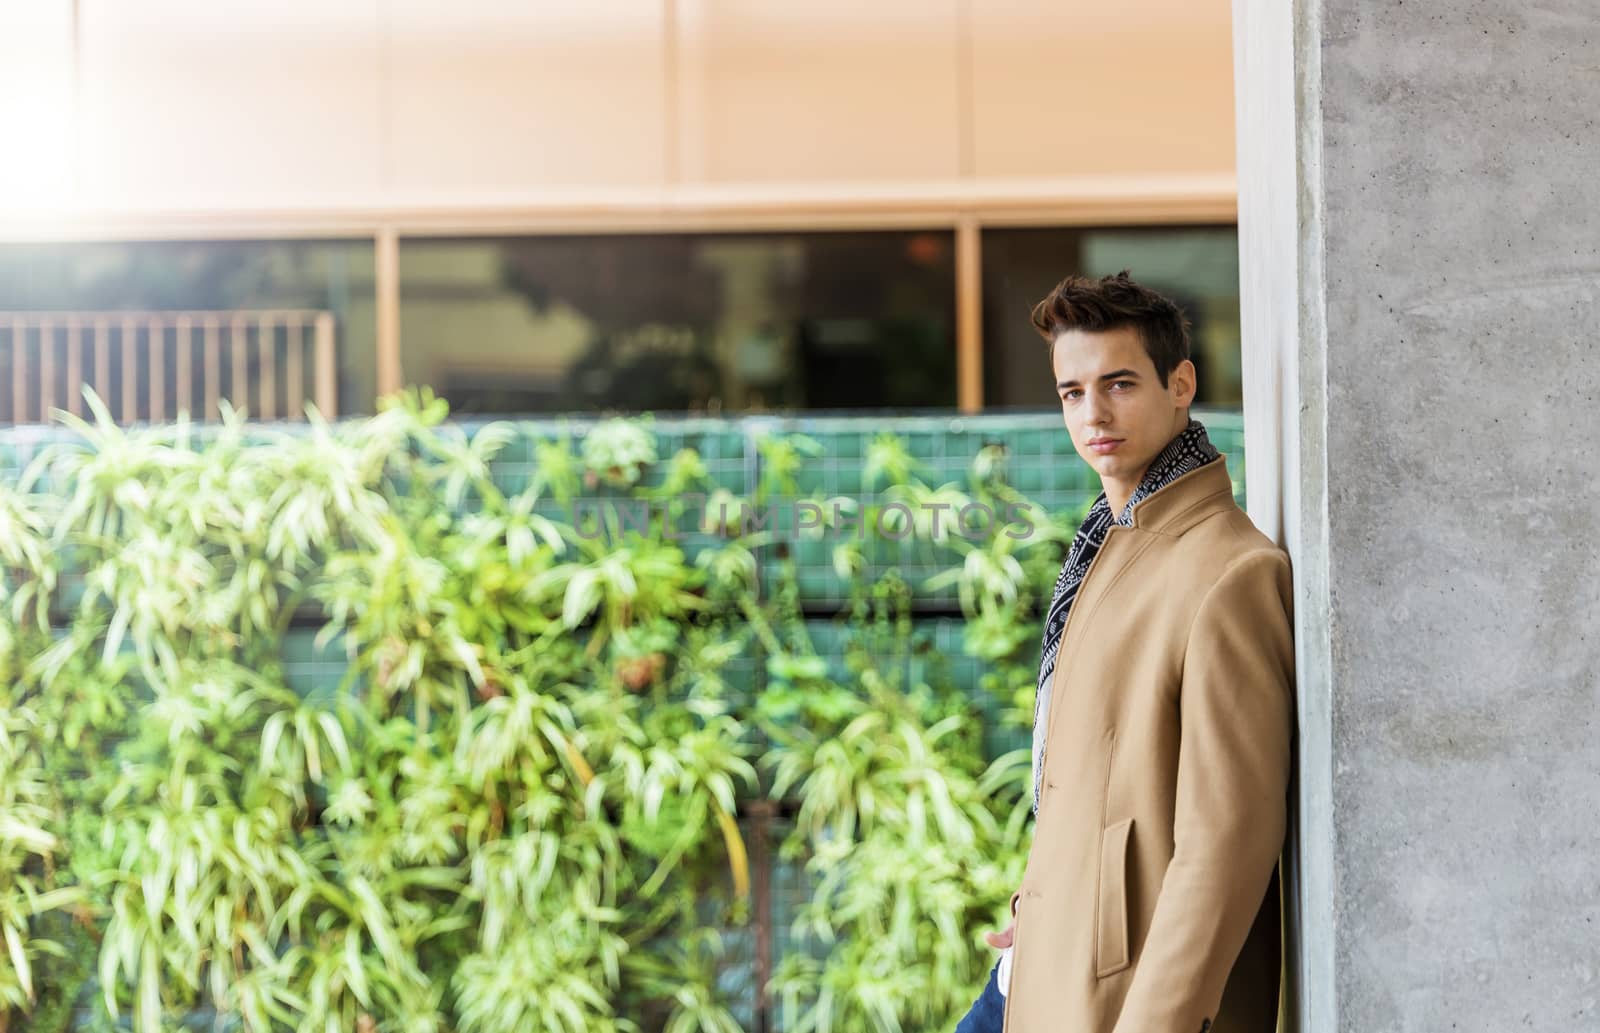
1001 940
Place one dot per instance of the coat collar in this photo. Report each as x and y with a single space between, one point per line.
1178 506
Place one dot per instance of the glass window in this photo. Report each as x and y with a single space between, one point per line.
227 315
1197 267
667 322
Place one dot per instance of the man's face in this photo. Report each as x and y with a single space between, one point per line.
1115 409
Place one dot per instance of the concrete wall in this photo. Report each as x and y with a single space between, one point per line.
1442 489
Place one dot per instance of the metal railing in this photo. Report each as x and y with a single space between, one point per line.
149 366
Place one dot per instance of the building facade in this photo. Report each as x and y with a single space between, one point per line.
634 204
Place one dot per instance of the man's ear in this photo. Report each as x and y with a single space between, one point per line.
1184 383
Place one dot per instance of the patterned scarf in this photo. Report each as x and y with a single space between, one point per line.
1187 452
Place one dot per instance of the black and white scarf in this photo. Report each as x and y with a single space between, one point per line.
1187 452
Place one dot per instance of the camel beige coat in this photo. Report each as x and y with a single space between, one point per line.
1150 900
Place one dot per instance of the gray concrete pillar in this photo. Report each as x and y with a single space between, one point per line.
1420 255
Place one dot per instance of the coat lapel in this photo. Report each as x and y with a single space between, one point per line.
1186 501
1167 512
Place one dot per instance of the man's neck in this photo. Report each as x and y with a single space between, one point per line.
1118 492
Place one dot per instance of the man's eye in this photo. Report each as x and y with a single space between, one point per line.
1122 383
1067 396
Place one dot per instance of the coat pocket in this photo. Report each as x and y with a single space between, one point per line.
1111 952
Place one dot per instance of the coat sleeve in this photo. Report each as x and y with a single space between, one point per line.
1236 715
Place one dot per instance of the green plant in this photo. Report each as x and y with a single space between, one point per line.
890 458
782 457
890 780
522 804
28 847
617 451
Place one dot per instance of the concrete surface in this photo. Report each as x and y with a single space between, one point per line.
1441 496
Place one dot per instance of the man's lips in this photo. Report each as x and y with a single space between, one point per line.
1102 446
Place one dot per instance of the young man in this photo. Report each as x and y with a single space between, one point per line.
1163 719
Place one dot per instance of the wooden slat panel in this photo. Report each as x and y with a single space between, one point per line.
294 384
102 360
79 351
130 371
327 370
238 396
47 369
213 368
75 367
156 357
19 371
8 361
184 342
267 373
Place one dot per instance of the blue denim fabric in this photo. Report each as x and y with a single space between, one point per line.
988 1014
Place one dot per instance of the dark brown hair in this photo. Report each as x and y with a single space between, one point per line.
1111 303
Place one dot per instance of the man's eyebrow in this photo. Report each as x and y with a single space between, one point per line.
1116 374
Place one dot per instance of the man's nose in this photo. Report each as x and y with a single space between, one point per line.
1095 410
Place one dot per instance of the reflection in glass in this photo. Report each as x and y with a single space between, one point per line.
1197 267
96 311
667 322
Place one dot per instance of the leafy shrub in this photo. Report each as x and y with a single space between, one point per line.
525 807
